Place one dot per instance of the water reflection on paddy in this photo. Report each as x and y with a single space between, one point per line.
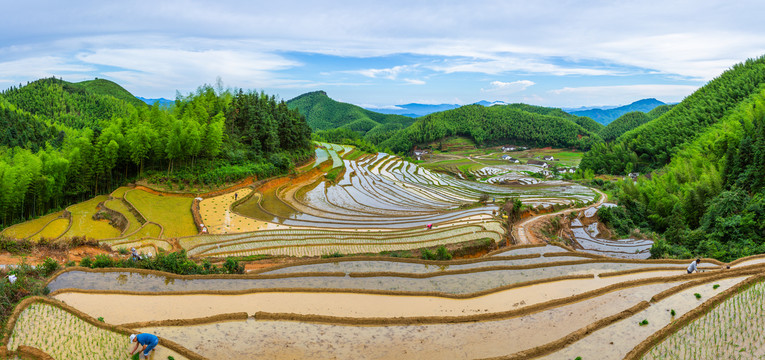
447 283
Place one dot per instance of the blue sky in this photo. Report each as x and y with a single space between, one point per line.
379 54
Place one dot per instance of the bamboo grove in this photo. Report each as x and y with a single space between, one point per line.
66 142
709 198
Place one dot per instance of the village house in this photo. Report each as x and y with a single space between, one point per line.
419 153
539 163
549 158
510 159
507 148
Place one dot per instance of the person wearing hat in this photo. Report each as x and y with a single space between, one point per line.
149 342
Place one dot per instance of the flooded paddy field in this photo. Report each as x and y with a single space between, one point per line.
543 301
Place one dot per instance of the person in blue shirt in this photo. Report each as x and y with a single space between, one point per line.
149 342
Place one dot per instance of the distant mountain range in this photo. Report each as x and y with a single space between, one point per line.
162 101
416 110
606 115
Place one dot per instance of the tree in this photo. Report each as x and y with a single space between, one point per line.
140 140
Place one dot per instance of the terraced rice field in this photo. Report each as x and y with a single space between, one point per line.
731 330
556 303
83 223
29 228
173 213
539 301
119 206
64 335
53 230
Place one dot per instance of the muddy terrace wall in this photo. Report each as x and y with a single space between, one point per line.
697 278
639 351
83 316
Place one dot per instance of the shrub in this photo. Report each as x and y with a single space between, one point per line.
441 254
233 267
86 262
697 295
49 266
644 322
103 261
332 255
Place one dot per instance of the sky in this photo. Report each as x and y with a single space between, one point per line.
384 53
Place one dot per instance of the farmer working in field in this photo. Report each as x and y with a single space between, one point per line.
694 266
149 342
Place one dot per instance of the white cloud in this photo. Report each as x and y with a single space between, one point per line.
391 73
514 64
618 95
180 44
414 81
40 67
502 88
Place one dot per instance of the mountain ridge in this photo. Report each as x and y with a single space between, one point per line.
606 116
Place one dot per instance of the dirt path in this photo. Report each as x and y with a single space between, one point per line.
522 231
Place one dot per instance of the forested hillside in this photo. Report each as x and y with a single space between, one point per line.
710 199
323 113
67 103
653 145
630 121
20 128
623 124
517 123
101 142
606 116
106 87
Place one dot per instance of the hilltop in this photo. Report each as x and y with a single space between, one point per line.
705 159
630 121
324 113
605 116
110 88
416 110
516 123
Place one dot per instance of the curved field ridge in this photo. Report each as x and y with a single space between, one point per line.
727 326
600 311
61 332
557 303
173 213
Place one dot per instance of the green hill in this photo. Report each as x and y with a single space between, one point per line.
62 142
106 87
323 113
22 129
516 123
585 122
653 145
708 198
67 103
630 121
623 124
605 116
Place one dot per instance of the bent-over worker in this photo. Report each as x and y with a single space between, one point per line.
149 342
694 266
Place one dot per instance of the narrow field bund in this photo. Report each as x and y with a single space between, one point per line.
63 332
450 284
173 213
600 296
82 223
690 334
457 339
